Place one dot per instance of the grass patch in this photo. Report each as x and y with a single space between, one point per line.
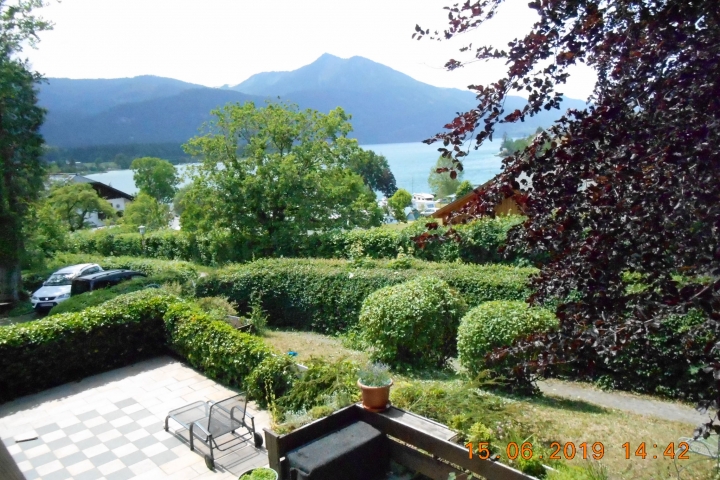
309 344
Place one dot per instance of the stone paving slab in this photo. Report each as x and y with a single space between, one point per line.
111 426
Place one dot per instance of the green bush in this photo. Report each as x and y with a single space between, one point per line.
498 324
217 306
272 379
80 302
45 353
219 350
326 295
322 383
412 324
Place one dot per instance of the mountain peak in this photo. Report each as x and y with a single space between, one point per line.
328 72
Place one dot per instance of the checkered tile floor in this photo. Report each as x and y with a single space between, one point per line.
112 427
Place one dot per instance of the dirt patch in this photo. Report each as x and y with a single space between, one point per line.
309 344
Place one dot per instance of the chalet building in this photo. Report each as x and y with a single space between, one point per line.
118 199
506 207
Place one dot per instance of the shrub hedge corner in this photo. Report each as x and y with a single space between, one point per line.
131 327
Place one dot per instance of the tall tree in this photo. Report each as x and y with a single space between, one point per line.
464 188
74 201
628 186
398 202
276 173
146 210
21 170
374 169
155 177
443 180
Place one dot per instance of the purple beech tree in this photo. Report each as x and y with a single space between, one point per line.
628 188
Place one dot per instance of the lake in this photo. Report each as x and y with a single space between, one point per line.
410 163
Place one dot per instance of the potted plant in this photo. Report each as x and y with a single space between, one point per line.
262 473
375 382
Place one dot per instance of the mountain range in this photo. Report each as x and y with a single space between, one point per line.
386 106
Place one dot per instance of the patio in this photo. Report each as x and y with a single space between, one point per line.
110 426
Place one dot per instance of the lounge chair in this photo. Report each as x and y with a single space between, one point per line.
209 421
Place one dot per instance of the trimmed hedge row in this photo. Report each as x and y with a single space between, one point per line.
479 243
183 271
214 248
213 346
326 295
78 303
49 352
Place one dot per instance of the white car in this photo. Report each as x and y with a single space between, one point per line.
57 288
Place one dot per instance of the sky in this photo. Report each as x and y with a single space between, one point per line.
219 42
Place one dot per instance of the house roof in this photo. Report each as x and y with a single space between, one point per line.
105 191
459 202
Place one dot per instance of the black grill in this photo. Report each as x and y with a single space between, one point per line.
45 299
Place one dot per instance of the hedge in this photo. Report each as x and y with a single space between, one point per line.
326 295
214 248
49 352
670 363
479 243
219 350
498 324
184 271
80 302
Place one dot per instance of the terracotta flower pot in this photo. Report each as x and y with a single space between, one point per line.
375 399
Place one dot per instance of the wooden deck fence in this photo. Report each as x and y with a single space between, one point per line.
410 437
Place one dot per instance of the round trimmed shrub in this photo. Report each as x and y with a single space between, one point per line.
498 324
413 323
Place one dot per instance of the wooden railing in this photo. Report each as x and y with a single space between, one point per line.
410 437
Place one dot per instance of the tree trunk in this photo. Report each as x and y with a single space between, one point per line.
9 282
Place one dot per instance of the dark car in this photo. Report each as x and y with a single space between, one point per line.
99 280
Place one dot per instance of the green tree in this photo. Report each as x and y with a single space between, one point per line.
444 182
156 177
21 169
44 233
276 173
374 169
464 188
398 202
181 199
146 210
73 202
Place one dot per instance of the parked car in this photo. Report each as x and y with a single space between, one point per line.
57 287
105 279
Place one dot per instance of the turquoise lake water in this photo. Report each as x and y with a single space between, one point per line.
410 163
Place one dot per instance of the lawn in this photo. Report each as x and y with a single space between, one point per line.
309 344
551 418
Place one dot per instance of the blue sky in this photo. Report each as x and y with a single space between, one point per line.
217 42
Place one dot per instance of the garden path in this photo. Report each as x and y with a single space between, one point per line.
628 402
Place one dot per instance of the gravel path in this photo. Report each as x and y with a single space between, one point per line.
624 401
